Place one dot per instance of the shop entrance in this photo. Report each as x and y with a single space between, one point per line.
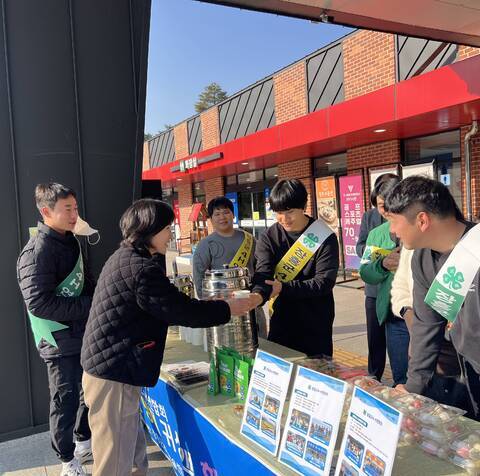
252 211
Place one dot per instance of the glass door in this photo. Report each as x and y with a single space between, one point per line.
251 210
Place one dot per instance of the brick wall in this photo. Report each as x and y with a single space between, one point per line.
146 157
213 188
372 156
210 128
185 200
369 62
290 93
181 140
301 169
465 52
475 172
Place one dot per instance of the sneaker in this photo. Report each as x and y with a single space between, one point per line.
83 451
73 468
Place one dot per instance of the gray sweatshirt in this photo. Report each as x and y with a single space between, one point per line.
213 252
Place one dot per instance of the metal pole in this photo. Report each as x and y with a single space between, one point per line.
468 174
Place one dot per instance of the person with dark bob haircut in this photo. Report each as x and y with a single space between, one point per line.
296 269
133 305
377 345
424 215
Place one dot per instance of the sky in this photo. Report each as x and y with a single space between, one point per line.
193 44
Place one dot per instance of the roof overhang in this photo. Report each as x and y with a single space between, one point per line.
453 21
441 100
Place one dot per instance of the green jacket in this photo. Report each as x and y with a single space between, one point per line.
378 244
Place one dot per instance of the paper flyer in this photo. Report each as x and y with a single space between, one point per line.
371 437
312 424
265 400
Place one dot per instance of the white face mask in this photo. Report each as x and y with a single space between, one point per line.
82 228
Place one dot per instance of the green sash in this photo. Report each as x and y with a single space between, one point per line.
71 286
450 286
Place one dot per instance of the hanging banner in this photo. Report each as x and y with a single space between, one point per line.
312 424
352 209
371 437
265 400
326 195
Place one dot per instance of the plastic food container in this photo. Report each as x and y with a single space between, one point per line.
472 467
435 449
467 445
439 415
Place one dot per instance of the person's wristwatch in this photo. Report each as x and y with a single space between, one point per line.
404 310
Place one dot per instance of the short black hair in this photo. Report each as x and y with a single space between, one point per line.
383 188
381 178
219 202
48 194
418 193
142 220
288 194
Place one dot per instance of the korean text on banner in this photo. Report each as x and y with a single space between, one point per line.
352 209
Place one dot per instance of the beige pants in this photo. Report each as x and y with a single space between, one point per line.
118 439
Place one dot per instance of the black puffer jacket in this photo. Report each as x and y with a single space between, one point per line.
133 305
47 259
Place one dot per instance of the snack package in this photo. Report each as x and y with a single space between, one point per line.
242 378
439 415
412 403
365 383
212 388
387 394
467 445
471 466
435 449
443 435
226 367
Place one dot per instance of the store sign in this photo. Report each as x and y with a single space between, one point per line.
311 429
265 400
352 209
326 195
188 164
371 437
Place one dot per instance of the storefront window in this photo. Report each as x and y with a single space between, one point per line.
271 173
231 180
442 151
331 165
249 177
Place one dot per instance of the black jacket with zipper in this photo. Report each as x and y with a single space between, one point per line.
47 259
133 305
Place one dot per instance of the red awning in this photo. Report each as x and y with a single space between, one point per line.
196 209
445 99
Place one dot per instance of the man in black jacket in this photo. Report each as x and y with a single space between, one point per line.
423 214
58 293
299 285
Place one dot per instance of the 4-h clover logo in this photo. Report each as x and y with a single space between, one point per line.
453 278
310 240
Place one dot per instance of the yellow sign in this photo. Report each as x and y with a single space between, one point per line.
256 215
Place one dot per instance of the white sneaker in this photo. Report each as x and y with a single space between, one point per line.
83 451
73 468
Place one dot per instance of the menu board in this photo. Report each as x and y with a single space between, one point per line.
371 437
312 424
265 400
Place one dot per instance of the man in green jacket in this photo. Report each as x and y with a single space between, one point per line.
378 266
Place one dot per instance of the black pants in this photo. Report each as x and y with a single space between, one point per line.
376 338
68 413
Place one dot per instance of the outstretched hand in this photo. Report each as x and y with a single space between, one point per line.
276 287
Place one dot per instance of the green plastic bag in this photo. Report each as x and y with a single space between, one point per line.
226 367
212 388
